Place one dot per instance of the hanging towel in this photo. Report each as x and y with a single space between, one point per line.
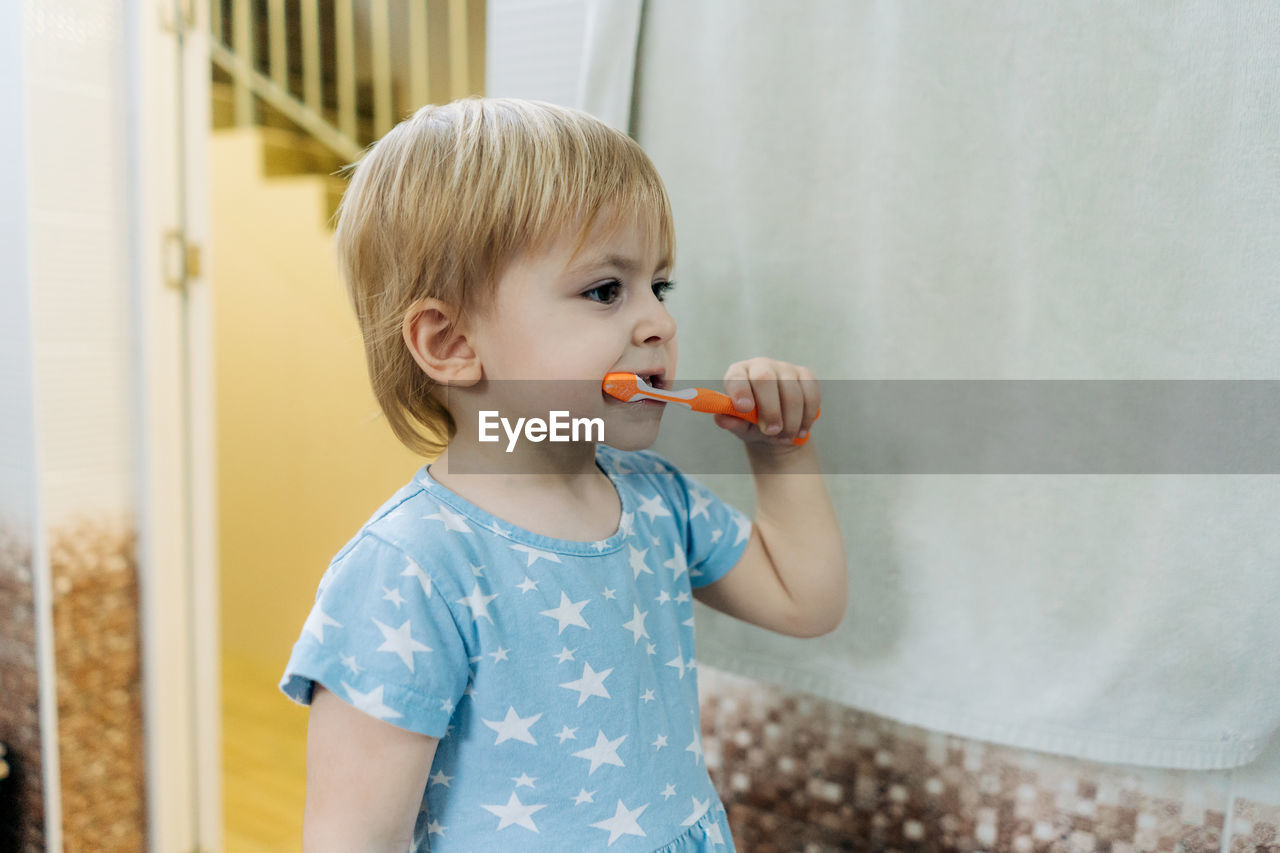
1006 191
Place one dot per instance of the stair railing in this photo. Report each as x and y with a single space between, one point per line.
344 71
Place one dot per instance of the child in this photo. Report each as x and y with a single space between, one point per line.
506 660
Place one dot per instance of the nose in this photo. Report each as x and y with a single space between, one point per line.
655 325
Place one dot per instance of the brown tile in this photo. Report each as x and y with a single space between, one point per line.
857 781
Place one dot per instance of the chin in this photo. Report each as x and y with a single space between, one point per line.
631 436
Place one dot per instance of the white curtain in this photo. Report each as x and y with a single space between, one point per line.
919 190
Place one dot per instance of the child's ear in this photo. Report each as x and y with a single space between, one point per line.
439 344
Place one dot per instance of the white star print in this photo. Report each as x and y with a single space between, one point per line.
514 812
316 622
700 504
535 554
434 828
513 727
676 565
699 809
653 507
371 702
401 642
568 613
413 570
393 595
590 684
695 746
716 534
677 562
688 622
477 571
604 751
451 520
638 562
625 524
478 604
744 529
622 823
636 625
713 832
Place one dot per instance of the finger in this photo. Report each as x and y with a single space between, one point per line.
764 386
791 396
737 426
812 399
738 386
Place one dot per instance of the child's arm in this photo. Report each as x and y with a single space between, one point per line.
365 779
792 576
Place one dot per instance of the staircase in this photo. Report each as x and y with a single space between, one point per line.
284 151
323 79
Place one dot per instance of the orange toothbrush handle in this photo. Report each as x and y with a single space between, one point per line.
716 403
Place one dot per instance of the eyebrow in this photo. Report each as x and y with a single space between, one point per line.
627 265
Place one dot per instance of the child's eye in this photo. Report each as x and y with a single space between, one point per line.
612 286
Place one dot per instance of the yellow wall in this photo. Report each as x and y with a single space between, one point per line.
304 458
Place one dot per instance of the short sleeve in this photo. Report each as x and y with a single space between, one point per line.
382 637
715 533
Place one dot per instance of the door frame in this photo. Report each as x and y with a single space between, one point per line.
169 80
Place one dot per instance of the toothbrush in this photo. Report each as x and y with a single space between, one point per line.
628 386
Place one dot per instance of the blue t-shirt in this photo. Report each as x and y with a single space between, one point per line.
559 675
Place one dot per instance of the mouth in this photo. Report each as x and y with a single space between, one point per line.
653 378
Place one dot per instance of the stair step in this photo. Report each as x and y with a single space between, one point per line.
286 152
222 96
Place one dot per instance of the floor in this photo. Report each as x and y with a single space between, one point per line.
263 760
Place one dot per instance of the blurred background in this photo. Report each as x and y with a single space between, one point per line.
880 191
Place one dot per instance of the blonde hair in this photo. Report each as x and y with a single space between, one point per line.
441 206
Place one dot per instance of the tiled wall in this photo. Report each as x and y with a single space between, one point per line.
77 318
21 794
96 637
799 774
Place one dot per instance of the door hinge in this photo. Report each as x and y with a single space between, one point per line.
181 260
177 16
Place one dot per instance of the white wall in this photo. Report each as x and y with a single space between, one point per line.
17 431
534 49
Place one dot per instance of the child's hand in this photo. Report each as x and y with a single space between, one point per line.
786 398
